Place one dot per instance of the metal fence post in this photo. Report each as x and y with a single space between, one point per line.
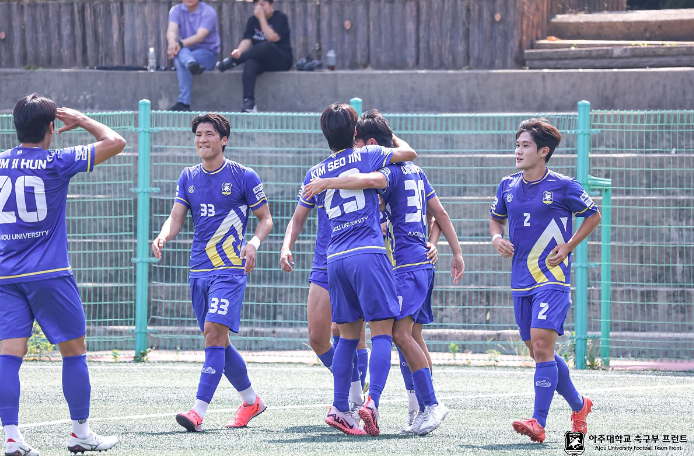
581 256
606 274
356 103
142 260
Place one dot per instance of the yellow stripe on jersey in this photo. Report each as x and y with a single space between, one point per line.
499 215
179 198
216 269
228 245
539 180
411 264
542 285
215 171
89 158
34 273
358 248
306 202
254 205
211 248
430 193
591 207
552 232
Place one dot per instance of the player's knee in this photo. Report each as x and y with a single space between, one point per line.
334 329
541 350
216 336
402 338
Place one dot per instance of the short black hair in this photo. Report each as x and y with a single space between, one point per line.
338 122
33 116
218 121
543 133
372 124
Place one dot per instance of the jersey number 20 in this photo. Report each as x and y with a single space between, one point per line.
19 186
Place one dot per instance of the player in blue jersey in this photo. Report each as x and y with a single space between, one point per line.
407 195
539 204
359 279
219 193
36 281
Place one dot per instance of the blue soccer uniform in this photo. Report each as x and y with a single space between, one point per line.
33 243
540 217
405 197
319 267
220 202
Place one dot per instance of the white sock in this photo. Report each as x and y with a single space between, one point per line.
12 432
413 405
248 395
356 393
200 407
80 428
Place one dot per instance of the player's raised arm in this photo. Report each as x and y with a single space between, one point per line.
170 229
261 232
359 181
436 209
294 228
402 151
109 143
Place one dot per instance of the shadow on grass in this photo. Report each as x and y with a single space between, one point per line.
511 447
325 434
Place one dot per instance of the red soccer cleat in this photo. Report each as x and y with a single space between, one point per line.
531 428
578 419
246 412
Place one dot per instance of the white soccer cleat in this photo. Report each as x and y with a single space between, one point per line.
432 417
409 423
13 448
93 442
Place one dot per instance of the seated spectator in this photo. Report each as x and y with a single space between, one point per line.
193 44
265 47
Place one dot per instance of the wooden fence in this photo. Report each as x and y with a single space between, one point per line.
380 34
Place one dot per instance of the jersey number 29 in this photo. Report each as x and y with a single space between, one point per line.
19 186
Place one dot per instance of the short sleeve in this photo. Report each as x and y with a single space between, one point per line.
429 191
209 20
378 157
391 173
309 203
253 190
282 27
498 209
250 29
182 190
579 201
73 160
175 15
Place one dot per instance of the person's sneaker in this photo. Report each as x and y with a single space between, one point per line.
226 64
411 417
249 105
531 428
432 417
369 415
180 107
343 421
190 420
13 448
578 419
246 412
195 68
93 442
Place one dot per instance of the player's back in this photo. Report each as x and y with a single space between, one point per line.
33 194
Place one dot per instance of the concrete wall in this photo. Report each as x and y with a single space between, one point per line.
390 91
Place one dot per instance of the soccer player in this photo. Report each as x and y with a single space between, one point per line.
36 281
407 195
219 193
538 204
359 278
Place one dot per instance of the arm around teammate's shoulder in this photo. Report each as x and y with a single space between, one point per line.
109 143
402 151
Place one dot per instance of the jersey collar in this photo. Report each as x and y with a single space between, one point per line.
336 153
216 170
537 181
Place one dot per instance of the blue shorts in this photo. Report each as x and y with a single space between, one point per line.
218 299
54 303
319 277
544 309
362 286
414 293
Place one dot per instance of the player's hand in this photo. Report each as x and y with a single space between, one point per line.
236 54
433 253
314 187
457 268
248 252
258 12
504 247
558 254
173 50
396 141
286 260
157 246
71 118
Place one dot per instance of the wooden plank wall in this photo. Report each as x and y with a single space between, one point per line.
589 6
380 34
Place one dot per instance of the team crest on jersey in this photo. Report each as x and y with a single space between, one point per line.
226 188
509 197
548 197
191 189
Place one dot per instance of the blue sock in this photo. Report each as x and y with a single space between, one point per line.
379 365
355 367
565 387
363 363
211 373
336 341
76 387
9 389
342 372
327 358
406 373
545 384
424 387
235 369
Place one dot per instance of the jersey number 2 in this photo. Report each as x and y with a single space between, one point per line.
19 186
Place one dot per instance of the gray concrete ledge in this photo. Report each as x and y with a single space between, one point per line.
390 91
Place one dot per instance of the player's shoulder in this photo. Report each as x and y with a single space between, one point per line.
371 149
557 179
6 153
511 179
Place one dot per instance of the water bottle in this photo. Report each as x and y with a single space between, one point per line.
331 60
151 60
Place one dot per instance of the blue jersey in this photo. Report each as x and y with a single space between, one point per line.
406 199
33 194
539 218
220 202
320 252
353 214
